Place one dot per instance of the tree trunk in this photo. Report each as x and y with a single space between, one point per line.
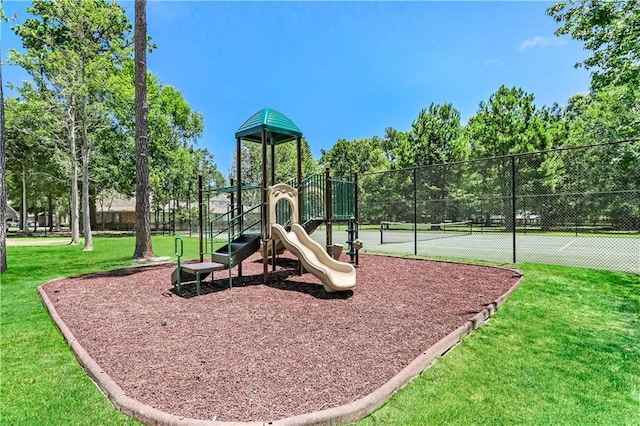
24 214
143 248
86 154
50 219
74 224
3 188
86 213
93 211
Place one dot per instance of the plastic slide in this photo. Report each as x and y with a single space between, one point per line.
334 275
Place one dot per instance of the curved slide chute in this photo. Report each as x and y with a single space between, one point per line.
334 275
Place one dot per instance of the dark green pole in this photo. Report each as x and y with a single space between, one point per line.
299 155
327 209
356 210
513 204
300 203
200 219
265 220
415 211
239 195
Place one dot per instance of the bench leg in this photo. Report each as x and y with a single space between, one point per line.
198 283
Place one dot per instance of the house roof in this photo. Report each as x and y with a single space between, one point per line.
10 212
218 204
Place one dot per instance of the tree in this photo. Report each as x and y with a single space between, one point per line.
72 48
508 124
610 114
434 138
143 248
393 145
611 30
3 188
358 155
33 165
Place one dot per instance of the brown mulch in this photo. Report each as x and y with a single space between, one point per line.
262 352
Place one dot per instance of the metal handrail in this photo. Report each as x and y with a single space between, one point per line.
237 234
231 236
235 218
212 235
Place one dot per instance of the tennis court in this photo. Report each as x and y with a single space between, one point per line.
612 253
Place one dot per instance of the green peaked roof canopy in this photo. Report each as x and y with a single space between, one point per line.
280 128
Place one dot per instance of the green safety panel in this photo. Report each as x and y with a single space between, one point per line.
342 199
281 129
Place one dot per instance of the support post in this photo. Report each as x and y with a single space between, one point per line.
239 193
300 201
265 219
200 219
327 209
513 204
273 182
356 210
415 211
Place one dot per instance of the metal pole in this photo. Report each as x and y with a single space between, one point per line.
238 176
273 182
299 170
415 212
265 224
239 194
273 161
328 212
300 201
356 210
232 204
513 204
200 219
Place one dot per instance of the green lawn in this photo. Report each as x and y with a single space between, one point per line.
564 349
40 380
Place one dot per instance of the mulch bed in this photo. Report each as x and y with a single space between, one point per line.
263 352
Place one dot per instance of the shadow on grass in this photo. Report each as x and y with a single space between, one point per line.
124 272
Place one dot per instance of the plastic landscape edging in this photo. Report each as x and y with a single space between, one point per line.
350 412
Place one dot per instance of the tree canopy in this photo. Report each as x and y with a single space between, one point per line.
611 31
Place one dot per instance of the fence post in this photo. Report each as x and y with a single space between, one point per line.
415 211
513 204
200 219
328 210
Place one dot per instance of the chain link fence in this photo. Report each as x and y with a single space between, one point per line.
571 206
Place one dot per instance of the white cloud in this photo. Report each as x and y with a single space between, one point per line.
541 41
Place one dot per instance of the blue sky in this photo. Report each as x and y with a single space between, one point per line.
346 69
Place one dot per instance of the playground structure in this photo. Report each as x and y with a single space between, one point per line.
334 275
276 223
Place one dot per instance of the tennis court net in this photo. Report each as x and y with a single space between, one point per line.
402 232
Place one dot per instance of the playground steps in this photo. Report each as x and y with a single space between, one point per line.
241 248
190 272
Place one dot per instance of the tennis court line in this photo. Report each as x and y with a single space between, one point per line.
568 244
